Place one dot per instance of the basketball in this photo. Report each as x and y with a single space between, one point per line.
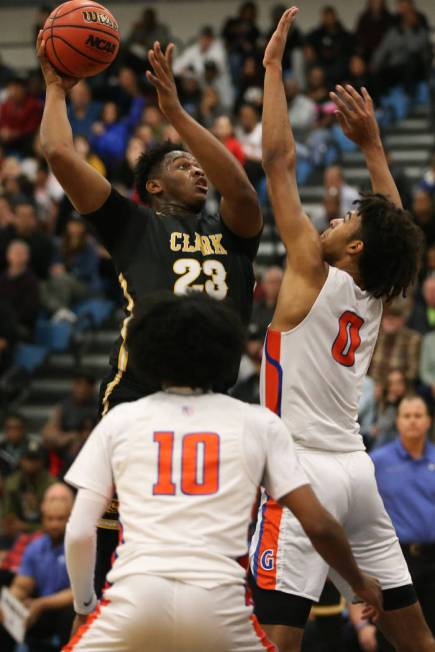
81 38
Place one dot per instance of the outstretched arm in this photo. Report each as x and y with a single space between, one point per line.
86 188
279 162
239 205
356 115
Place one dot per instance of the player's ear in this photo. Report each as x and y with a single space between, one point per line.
153 186
355 247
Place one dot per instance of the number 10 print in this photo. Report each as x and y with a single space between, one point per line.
199 474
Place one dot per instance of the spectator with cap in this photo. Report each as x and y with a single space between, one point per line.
405 474
13 442
422 317
19 287
398 347
20 115
24 491
42 584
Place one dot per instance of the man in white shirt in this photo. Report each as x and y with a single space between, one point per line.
207 48
186 464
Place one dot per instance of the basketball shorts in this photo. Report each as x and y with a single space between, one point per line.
282 557
144 612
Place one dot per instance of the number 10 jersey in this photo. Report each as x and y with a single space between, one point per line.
312 376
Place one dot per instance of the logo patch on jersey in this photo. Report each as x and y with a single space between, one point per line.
267 560
187 410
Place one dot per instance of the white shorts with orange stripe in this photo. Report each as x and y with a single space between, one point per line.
144 612
282 557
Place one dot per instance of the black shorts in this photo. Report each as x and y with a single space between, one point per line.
279 608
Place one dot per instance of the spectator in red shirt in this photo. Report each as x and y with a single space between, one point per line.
20 115
223 130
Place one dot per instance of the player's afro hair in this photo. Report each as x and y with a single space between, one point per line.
393 246
185 341
149 164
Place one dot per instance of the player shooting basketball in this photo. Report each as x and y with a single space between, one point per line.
173 243
317 353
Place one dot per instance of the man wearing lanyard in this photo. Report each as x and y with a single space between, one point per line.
405 473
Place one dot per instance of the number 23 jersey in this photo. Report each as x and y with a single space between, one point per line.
153 252
312 375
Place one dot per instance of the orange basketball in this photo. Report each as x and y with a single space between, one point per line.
82 38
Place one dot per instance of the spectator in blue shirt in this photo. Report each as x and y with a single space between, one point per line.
83 111
405 473
42 584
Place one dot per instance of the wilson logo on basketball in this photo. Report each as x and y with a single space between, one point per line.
103 19
100 44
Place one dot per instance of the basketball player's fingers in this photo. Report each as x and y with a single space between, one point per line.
155 64
160 56
356 96
38 40
339 103
367 97
158 63
152 79
352 105
342 120
169 55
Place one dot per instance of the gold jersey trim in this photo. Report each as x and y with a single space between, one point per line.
123 354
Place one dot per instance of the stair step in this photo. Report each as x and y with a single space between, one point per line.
406 140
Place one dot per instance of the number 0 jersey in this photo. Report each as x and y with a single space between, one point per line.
312 376
153 252
186 471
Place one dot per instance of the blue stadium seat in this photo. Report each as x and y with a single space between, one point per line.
30 356
97 309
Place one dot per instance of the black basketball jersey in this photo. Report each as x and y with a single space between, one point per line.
152 252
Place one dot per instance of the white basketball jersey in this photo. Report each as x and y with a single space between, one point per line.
312 376
186 470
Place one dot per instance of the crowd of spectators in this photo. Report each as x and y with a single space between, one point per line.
50 262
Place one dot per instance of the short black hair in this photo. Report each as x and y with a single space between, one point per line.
393 247
185 341
149 163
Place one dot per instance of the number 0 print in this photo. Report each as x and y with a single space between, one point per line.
348 339
199 464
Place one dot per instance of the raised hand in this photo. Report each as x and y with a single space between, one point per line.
162 78
51 76
276 46
356 115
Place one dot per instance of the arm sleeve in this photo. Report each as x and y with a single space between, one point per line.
92 468
283 472
80 548
116 221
